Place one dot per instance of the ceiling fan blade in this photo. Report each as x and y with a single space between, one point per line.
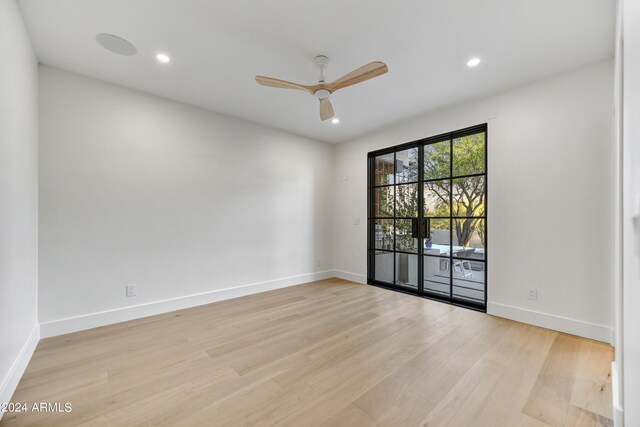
282 84
366 72
326 109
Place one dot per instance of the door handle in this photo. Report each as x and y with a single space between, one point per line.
414 228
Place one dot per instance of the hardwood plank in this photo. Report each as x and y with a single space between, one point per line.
578 417
389 393
457 408
550 399
592 384
447 374
350 416
410 411
522 351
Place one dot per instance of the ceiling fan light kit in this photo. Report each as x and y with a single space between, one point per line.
322 91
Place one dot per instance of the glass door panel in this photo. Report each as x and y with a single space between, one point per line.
383 266
437 241
407 165
469 154
383 201
407 235
436 276
437 198
468 196
406 218
406 201
407 271
437 160
384 170
384 234
469 236
468 280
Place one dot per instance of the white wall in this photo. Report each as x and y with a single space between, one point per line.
631 213
18 198
551 195
180 201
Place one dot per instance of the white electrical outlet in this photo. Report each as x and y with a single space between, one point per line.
318 263
356 221
533 294
132 290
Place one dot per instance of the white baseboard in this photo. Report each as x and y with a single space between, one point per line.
11 380
551 321
353 277
108 317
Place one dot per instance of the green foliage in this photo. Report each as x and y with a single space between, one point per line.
468 155
436 160
465 197
407 200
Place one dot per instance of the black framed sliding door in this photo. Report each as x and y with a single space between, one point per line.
427 217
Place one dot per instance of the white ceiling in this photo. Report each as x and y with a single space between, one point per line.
218 46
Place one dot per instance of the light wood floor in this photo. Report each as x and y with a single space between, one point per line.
330 353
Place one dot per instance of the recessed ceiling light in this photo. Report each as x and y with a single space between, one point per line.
163 57
335 120
116 44
473 62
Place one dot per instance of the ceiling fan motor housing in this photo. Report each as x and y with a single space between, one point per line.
322 93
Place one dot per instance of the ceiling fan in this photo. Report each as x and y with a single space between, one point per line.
323 90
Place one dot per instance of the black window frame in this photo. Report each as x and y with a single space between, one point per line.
371 186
